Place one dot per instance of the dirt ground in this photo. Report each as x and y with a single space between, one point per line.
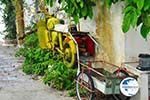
15 85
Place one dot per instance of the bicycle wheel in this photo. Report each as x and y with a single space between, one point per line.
121 73
84 79
69 52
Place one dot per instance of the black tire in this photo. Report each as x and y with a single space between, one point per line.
121 96
80 90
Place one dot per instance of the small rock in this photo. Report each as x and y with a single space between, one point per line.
35 77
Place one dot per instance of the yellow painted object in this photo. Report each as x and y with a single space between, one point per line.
70 52
71 43
43 34
50 39
72 46
51 22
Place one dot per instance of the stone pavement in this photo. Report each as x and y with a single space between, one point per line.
15 85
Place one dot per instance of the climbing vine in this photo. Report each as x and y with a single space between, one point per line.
136 12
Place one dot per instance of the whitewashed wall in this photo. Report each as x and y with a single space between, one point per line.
118 35
127 45
135 44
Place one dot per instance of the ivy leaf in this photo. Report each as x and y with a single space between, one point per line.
144 31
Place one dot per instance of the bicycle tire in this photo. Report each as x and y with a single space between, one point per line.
90 81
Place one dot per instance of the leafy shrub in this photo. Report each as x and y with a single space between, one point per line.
59 76
36 59
48 64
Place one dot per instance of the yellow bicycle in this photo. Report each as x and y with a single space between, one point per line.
61 42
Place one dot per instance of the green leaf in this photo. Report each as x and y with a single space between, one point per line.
84 11
51 2
138 12
108 3
128 9
78 1
139 21
144 31
147 20
147 5
72 10
90 12
140 4
134 19
82 4
76 18
129 1
126 22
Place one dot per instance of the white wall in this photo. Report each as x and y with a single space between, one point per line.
127 45
135 44
118 35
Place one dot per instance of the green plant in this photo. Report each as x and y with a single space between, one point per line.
36 59
76 8
136 12
59 76
48 64
9 19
